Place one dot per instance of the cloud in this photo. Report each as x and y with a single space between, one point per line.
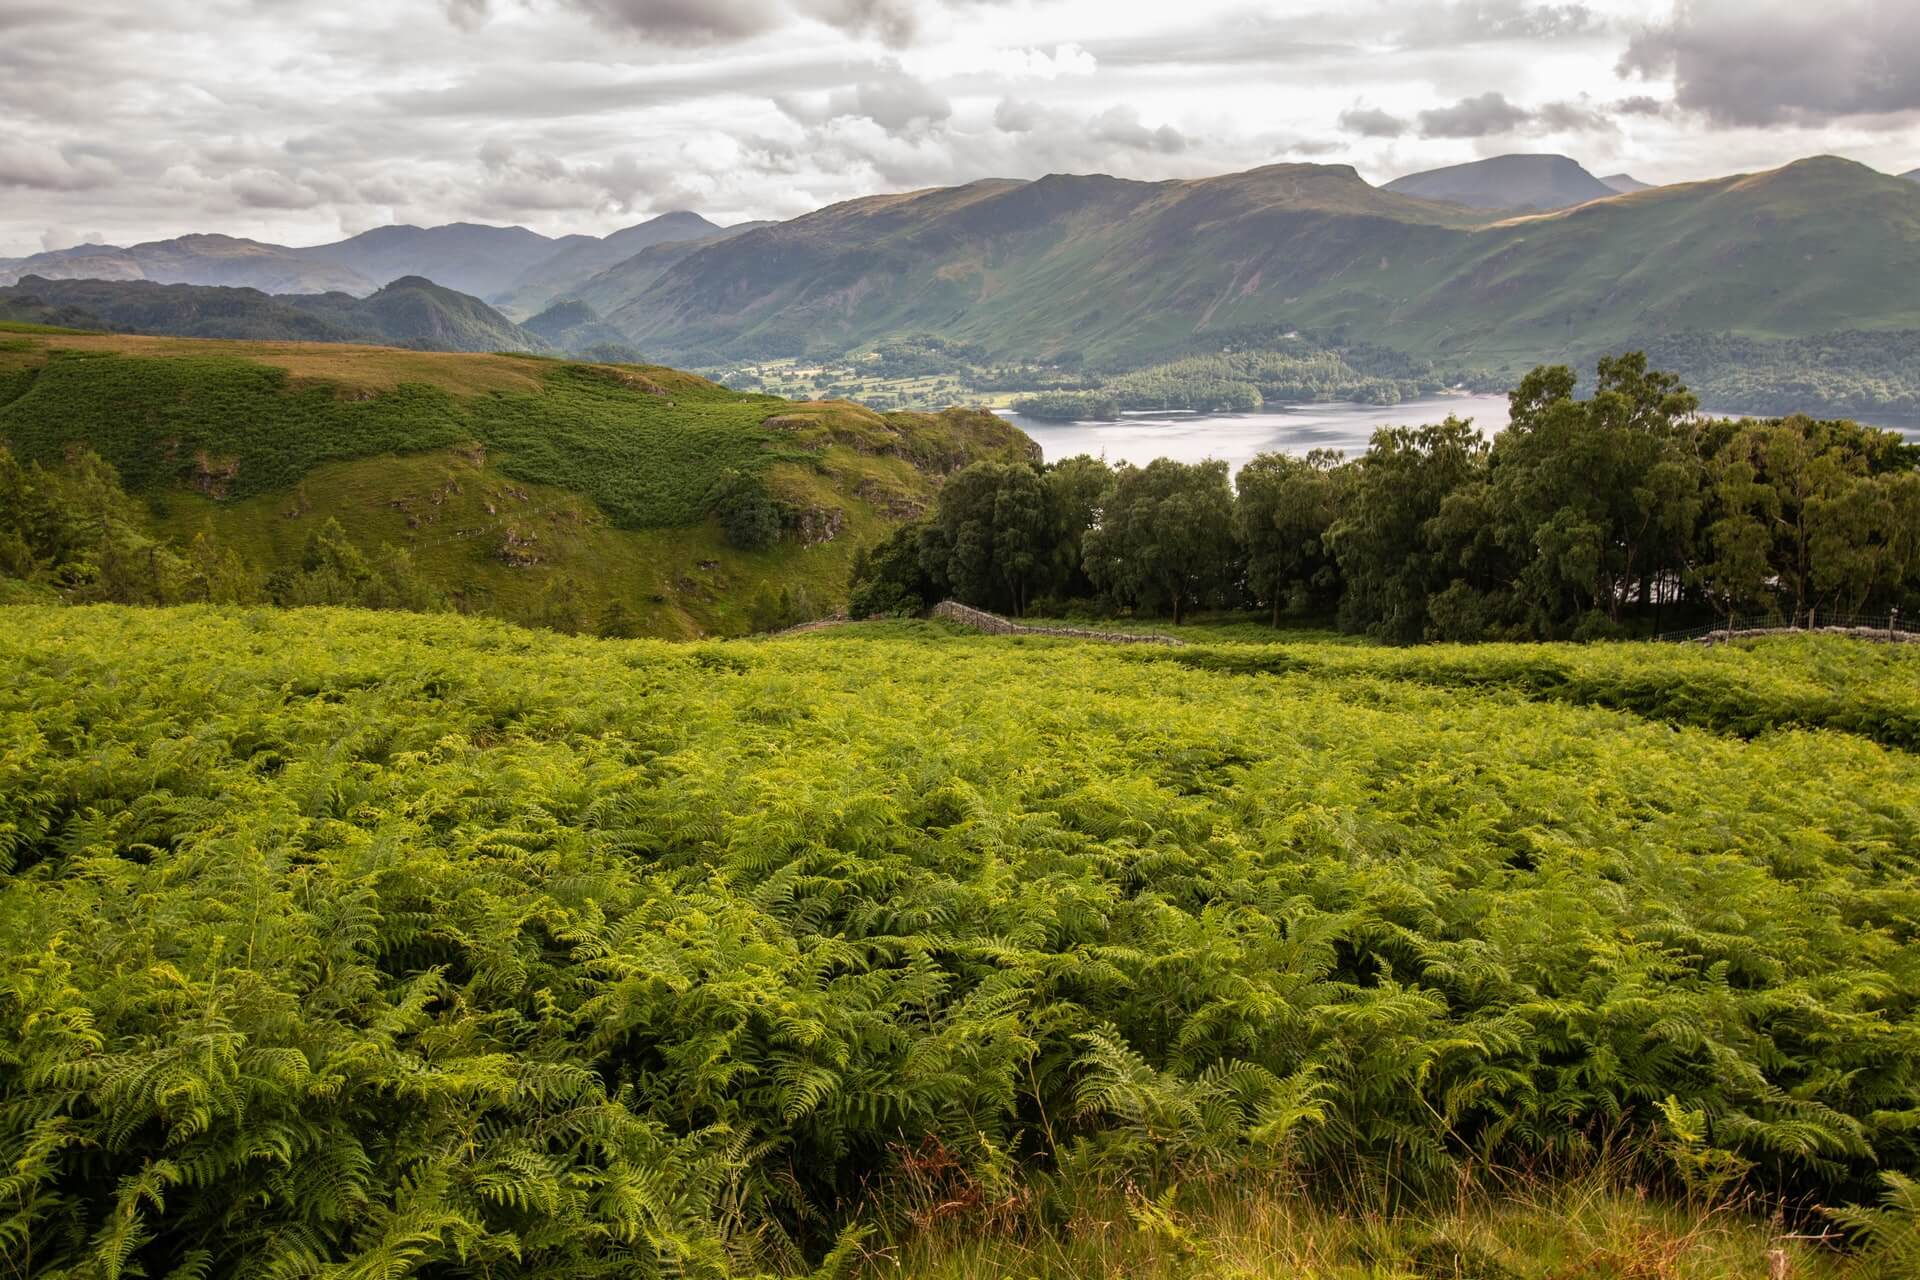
688 22
1121 126
35 166
1476 117
895 103
265 189
54 239
1490 20
1011 115
1372 122
1572 117
468 15
1765 62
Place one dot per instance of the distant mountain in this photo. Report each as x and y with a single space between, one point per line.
1912 175
1524 183
557 274
1625 183
410 312
577 329
194 259
1121 273
474 259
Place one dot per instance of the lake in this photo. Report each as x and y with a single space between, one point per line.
1236 438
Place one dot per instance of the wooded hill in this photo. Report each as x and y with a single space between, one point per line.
587 497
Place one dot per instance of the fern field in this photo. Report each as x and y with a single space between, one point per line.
340 944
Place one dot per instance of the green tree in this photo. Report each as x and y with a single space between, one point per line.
1283 507
747 512
1385 543
1165 535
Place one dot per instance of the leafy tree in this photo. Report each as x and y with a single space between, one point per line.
746 510
1384 542
1282 512
991 535
1165 535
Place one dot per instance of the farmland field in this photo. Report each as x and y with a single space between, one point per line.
351 944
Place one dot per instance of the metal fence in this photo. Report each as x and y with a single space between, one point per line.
1888 626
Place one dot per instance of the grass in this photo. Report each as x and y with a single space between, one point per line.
1024 957
1495 1226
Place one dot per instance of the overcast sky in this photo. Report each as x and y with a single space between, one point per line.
301 122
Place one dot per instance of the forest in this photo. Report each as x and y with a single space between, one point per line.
1585 518
1233 382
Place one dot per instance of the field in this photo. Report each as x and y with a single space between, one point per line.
353 944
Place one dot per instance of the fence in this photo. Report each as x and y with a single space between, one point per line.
1880 626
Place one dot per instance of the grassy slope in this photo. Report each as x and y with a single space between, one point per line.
1128 271
765 848
607 468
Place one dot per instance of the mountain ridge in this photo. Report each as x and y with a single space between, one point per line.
1514 182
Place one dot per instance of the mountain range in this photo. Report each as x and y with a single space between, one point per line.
484 261
409 312
1119 273
1464 267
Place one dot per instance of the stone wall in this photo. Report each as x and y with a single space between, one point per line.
995 625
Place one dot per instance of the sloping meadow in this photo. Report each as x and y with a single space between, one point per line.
404 943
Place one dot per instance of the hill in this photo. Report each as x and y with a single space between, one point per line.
195 259
1121 274
1521 183
576 328
518 485
410 312
1625 183
558 274
506 940
1912 175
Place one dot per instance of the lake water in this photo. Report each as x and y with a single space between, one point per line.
1236 438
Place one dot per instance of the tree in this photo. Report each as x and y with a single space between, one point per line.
1077 489
747 513
1165 535
1384 541
991 535
1282 510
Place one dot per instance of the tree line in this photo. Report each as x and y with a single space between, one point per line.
1583 519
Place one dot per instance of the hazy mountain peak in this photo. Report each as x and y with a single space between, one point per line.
1526 182
1625 183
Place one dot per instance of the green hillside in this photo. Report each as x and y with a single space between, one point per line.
1126 273
507 478
340 943
410 312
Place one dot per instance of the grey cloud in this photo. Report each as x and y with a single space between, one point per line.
1488 20
1572 117
894 103
1640 105
688 22
1763 62
468 15
264 189
1014 116
38 167
1121 126
1475 117
1372 122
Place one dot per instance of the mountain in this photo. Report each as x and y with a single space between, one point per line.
466 256
556 275
576 328
511 481
1625 183
1526 183
195 259
1912 175
410 312
1122 273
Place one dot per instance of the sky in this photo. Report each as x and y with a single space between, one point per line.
300 122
